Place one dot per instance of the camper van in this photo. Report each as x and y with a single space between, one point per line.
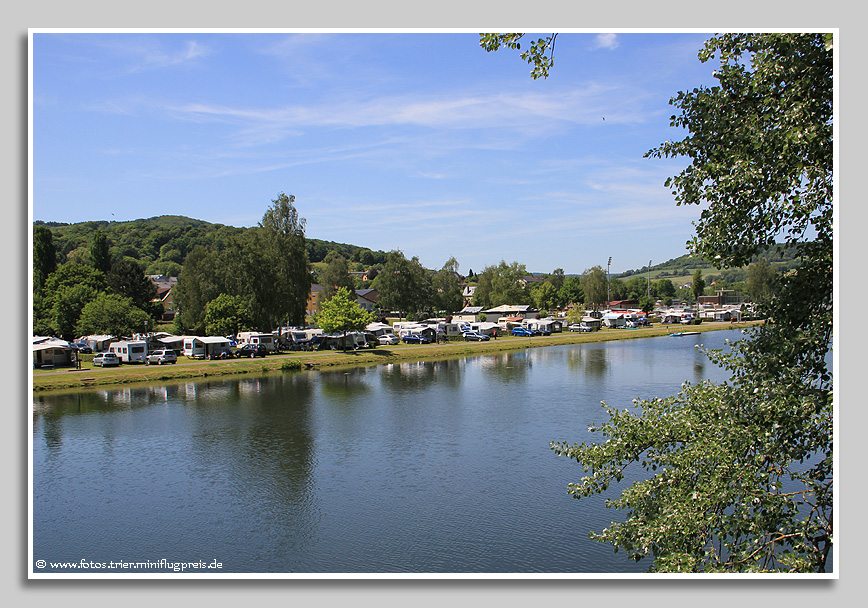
255 337
130 352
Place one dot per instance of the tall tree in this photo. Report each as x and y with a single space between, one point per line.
446 288
334 276
404 285
284 240
697 287
595 286
99 252
739 474
762 282
502 284
126 278
44 255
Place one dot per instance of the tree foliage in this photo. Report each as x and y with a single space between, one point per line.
342 313
595 285
738 475
111 314
44 255
446 290
502 284
404 285
334 276
540 53
226 315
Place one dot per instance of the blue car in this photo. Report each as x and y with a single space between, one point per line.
415 339
522 331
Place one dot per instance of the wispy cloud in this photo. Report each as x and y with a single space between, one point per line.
606 41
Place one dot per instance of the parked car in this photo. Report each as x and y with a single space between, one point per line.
82 348
580 327
522 331
389 339
162 356
251 350
475 336
106 360
415 339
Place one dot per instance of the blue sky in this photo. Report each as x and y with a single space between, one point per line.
421 142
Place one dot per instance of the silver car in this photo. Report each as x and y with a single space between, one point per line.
162 356
106 360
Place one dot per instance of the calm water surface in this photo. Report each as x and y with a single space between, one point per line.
420 467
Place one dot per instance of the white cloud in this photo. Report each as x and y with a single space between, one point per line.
606 41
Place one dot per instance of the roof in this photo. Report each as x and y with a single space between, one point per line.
510 308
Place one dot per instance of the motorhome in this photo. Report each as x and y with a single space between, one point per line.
130 351
255 337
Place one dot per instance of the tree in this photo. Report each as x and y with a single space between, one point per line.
697 288
68 303
502 284
284 243
404 285
739 474
126 278
342 313
226 315
446 289
571 292
545 296
44 255
535 55
595 286
99 252
113 315
762 282
335 275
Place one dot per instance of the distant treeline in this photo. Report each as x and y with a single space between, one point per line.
161 244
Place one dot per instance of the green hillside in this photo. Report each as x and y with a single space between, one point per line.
160 244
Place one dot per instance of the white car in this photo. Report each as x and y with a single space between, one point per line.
162 356
388 339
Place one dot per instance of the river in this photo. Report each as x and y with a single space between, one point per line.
429 467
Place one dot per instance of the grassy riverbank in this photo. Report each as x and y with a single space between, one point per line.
88 376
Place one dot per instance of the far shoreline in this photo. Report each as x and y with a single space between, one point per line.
186 369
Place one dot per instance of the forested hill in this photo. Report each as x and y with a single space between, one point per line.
685 265
160 244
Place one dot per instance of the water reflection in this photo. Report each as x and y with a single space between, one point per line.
424 467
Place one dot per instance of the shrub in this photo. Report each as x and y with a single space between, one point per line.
290 365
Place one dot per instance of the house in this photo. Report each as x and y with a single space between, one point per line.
525 311
467 294
367 298
313 299
723 297
469 314
52 352
165 285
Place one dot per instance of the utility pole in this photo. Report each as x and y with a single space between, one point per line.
608 294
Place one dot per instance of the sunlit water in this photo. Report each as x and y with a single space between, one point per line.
419 467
